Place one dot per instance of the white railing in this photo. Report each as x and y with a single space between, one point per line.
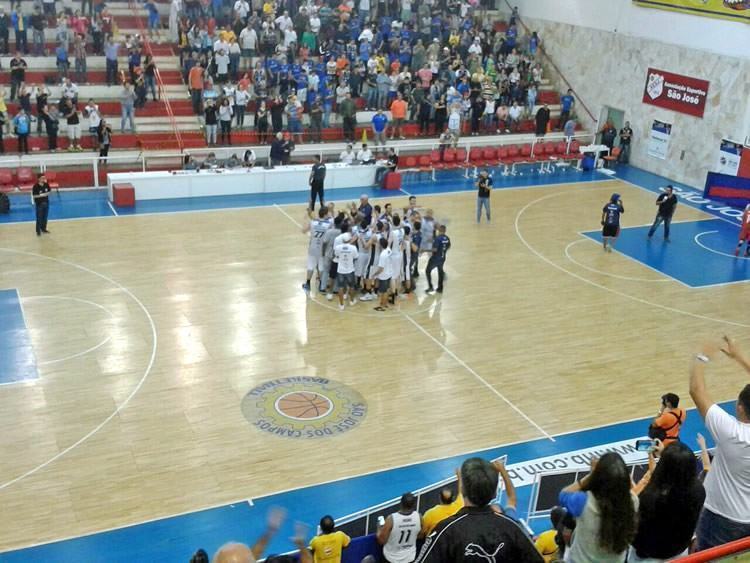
145 161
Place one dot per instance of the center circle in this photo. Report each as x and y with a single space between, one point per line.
303 405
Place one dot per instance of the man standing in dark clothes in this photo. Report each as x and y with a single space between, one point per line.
317 180
40 193
667 202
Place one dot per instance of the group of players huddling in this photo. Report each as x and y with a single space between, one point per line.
369 250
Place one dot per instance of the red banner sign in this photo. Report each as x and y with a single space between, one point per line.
675 92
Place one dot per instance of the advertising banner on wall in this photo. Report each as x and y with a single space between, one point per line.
735 10
728 161
676 92
658 142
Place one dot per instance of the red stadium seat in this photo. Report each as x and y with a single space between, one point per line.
449 156
475 156
410 162
525 153
52 179
461 157
6 180
26 178
513 153
436 161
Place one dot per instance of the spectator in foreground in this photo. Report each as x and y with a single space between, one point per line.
605 509
448 507
398 534
240 553
22 128
104 140
127 105
669 507
726 512
477 531
666 426
327 546
277 150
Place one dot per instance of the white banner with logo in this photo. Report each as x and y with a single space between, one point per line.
728 161
658 143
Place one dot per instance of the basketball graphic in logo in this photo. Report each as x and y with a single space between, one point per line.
304 407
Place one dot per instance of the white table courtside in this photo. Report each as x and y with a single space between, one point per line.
236 181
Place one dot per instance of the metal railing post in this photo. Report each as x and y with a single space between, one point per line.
96 172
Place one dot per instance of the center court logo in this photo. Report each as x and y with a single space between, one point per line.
304 407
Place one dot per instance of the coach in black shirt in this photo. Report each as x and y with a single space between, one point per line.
477 532
317 180
667 203
40 193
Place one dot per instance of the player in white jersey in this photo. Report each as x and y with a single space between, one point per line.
398 535
383 273
373 252
364 234
346 257
317 229
396 241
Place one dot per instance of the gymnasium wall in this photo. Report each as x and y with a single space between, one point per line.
606 58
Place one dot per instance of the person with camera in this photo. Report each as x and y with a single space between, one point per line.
666 426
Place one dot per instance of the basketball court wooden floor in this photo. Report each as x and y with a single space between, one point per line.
149 332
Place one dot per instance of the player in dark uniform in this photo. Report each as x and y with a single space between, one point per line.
440 247
611 221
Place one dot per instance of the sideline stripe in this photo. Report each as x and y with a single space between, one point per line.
292 219
481 379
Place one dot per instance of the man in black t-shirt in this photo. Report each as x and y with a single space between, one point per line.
626 136
477 532
18 68
40 193
317 180
484 187
667 202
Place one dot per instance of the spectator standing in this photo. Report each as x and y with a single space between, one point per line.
149 76
398 113
40 194
348 112
20 26
542 120
484 189
316 122
195 81
37 31
277 150
317 181
566 105
669 507
241 97
73 125
18 68
569 129
608 133
225 119
42 97
210 117
261 122
477 532
92 111
726 513
626 136
4 31
605 509
22 128
454 123
127 104
398 535
294 117
667 203
111 52
379 125
79 54
104 138
51 118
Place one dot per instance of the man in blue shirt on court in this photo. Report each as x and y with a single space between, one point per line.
440 247
379 124
566 104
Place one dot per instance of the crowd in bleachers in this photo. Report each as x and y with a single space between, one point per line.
303 65
682 504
